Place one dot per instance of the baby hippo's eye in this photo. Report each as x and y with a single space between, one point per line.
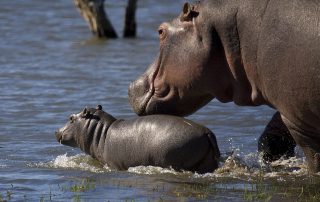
71 119
162 31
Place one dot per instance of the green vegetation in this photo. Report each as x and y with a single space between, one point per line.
85 185
258 192
296 189
275 192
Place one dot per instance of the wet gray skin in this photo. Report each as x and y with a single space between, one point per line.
156 140
249 52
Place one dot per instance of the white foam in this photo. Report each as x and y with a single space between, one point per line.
244 166
152 170
79 161
251 165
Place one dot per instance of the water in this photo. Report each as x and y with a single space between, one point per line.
51 66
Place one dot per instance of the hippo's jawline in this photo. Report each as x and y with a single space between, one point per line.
146 100
151 92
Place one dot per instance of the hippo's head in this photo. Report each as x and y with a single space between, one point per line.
80 129
186 74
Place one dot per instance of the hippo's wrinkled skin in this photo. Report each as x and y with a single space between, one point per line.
157 140
249 52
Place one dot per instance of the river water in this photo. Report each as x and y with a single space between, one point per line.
51 66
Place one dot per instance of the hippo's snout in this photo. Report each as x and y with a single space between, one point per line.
65 136
58 136
139 95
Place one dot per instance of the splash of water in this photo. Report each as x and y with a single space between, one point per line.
152 170
79 161
251 165
234 165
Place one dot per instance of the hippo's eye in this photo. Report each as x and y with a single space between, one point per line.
71 119
162 32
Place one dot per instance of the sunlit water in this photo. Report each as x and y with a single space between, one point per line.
51 66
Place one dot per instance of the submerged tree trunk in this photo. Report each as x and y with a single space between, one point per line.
130 21
93 12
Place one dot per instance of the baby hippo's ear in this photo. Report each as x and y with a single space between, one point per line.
188 12
85 112
99 107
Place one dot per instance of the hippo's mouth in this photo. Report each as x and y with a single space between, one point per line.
156 96
142 91
142 110
59 137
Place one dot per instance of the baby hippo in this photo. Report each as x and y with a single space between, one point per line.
156 140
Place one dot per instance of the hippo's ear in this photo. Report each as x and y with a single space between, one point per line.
188 12
85 112
99 107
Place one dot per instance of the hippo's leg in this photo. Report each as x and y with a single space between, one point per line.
276 140
309 142
208 164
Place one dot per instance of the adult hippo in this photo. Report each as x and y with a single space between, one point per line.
157 140
249 52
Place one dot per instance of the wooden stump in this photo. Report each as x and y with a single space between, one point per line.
93 12
130 21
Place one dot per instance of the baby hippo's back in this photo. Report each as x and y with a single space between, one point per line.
161 140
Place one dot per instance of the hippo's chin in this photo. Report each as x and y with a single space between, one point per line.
151 102
140 105
155 106
173 105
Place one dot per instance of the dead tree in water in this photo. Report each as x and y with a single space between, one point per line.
130 21
93 12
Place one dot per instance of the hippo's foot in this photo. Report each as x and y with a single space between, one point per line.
275 146
313 159
309 142
276 140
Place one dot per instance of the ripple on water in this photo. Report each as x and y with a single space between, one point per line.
3 165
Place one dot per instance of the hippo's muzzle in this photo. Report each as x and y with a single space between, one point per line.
58 136
65 136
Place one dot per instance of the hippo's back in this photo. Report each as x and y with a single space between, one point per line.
159 140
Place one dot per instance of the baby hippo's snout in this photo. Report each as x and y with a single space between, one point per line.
66 134
58 136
